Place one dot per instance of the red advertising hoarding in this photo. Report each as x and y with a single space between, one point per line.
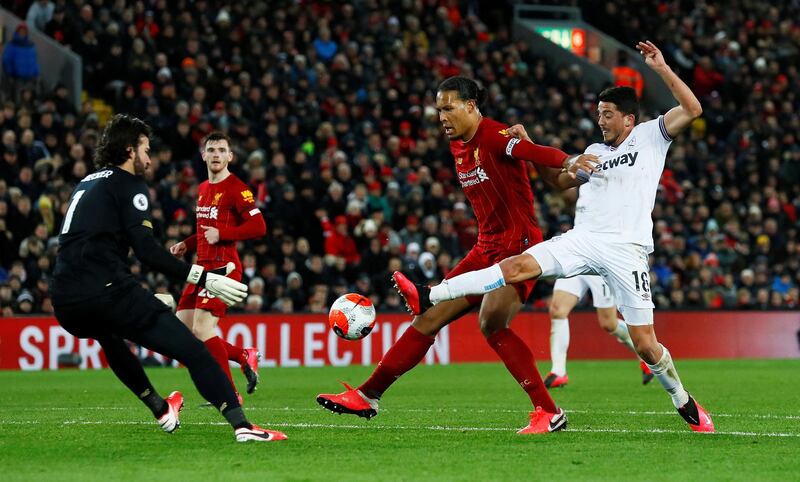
305 339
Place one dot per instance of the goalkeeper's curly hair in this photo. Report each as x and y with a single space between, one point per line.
122 132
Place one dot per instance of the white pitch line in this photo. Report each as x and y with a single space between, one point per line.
371 426
457 429
452 410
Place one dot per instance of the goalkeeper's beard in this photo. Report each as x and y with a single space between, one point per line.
138 165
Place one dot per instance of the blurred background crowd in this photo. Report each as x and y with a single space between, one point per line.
331 109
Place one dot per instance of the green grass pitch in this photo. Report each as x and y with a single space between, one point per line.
436 423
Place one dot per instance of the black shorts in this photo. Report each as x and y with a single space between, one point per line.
121 312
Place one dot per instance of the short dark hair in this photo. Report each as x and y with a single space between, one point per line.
467 89
121 132
215 136
625 99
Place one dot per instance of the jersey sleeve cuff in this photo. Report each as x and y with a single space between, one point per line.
663 128
195 273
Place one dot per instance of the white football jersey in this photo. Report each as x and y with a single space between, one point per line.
619 199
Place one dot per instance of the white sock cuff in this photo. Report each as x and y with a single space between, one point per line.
663 363
440 292
477 282
497 274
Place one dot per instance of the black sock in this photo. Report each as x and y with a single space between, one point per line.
154 402
235 417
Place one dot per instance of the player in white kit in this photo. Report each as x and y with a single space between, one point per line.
567 292
616 238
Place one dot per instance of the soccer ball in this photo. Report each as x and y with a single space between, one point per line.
352 316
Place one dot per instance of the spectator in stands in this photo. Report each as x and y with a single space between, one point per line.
20 62
626 75
39 14
339 243
61 27
319 125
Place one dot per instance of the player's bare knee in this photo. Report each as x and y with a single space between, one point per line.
609 325
558 311
648 355
512 269
648 349
519 268
427 325
202 333
490 326
607 318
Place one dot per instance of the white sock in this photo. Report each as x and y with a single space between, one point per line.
621 332
559 342
666 373
471 283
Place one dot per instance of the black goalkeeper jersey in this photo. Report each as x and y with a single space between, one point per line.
108 213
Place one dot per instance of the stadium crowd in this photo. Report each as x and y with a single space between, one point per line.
331 109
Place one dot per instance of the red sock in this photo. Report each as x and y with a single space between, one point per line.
401 357
519 361
235 353
217 349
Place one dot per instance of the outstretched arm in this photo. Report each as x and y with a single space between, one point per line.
678 118
560 179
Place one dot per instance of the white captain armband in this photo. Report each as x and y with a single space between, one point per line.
510 146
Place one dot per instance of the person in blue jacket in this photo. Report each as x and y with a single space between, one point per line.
19 56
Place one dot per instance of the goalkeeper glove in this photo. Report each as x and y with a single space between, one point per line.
226 289
167 299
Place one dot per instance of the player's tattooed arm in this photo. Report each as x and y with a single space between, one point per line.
678 118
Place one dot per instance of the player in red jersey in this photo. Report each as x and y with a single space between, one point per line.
226 213
491 168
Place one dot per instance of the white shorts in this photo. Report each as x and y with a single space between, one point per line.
579 285
623 266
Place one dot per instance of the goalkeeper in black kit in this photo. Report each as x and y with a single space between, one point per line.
96 296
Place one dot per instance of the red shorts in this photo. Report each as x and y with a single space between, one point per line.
196 297
483 257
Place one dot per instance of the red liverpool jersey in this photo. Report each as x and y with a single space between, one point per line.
492 171
228 206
